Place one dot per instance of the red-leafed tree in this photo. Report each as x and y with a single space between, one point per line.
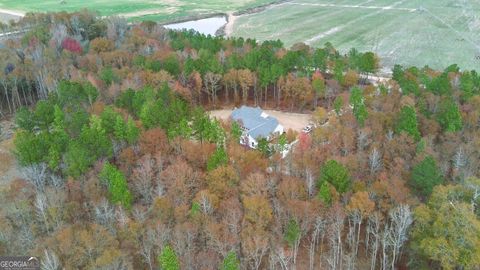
72 45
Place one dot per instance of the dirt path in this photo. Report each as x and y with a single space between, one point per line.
295 121
12 12
230 22
6 15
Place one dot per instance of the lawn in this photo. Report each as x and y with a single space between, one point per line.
159 10
408 32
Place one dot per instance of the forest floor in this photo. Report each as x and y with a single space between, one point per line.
9 169
295 121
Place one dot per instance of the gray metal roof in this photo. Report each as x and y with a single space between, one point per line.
252 119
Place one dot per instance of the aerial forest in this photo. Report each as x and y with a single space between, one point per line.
123 167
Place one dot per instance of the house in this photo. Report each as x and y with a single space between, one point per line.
256 124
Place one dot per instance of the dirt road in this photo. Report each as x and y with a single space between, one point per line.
6 15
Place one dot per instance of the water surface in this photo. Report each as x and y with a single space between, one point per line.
206 26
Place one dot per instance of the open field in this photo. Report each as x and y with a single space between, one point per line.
408 32
159 10
295 121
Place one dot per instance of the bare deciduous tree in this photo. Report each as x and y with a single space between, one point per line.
211 81
316 237
36 174
144 177
375 161
50 261
335 228
104 214
41 206
373 232
400 220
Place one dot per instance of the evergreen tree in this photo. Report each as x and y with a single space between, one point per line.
292 232
217 159
357 102
168 259
120 129
44 114
109 119
30 148
324 193
230 262
335 174
407 122
449 116
117 185
78 159
338 104
368 62
440 85
425 176
24 119
235 131
467 85
108 76
264 147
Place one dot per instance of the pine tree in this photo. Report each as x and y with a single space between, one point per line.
292 232
449 116
132 132
324 193
407 122
359 108
117 185
425 176
218 158
168 259
335 174
230 262
235 131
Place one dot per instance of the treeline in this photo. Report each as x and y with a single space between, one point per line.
123 169
115 56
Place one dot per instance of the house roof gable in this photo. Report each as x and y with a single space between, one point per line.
255 121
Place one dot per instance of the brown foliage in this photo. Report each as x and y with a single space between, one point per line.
181 181
222 181
87 247
258 211
350 79
101 44
153 141
291 188
256 184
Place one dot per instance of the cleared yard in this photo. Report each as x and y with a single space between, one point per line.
295 121
409 32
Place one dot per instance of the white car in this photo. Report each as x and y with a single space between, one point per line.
308 128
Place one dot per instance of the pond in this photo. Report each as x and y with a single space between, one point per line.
206 26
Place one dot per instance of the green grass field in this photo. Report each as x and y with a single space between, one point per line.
408 32
159 10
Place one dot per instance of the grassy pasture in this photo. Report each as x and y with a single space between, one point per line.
408 32
159 10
